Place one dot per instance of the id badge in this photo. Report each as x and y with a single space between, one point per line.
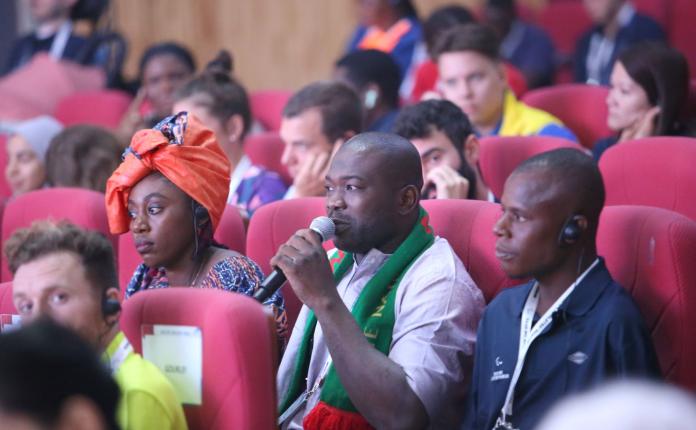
502 424
290 412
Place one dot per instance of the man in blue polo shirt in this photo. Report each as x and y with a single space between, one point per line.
571 326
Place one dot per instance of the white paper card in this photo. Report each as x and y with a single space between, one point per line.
178 352
9 322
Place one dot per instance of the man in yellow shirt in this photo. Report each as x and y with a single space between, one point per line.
68 274
472 76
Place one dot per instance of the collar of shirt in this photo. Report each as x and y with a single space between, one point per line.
582 299
118 350
625 14
371 262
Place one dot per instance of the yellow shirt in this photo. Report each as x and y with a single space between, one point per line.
522 120
148 400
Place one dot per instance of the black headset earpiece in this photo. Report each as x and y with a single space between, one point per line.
570 232
110 307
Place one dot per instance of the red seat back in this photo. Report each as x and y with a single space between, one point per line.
690 108
500 155
651 253
230 233
654 171
564 21
266 150
516 80
5 190
659 10
582 108
128 260
681 29
6 303
82 207
239 352
468 227
267 107
102 107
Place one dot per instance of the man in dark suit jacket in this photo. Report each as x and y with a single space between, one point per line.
53 34
617 27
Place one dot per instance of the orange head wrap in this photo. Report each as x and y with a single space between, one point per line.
182 150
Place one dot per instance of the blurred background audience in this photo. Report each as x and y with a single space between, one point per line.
478 86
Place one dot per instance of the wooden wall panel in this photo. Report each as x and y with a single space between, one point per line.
275 43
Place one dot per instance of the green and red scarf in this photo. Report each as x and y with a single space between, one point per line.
374 313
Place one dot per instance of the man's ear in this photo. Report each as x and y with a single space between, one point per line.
235 128
502 71
409 198
471 150
80 413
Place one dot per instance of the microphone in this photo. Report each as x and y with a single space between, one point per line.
325 228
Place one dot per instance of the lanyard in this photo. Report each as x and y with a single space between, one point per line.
115 361
528 334
304 397
61 40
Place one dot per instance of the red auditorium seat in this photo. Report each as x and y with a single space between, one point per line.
6 303
230 233
681 29
690 110
659 10
239 350
271 226
103 107
82 207
468 227
564 21
499 156
516 80
266 150
5 191
654 171
650 251
267 107
582 108
128 260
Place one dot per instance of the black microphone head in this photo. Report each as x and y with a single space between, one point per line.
324 227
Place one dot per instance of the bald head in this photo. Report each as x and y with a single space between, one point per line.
373 192
397 158
570 175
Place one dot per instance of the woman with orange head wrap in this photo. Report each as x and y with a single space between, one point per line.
170 191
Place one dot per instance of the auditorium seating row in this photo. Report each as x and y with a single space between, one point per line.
648 250
581 107
107 107
653 171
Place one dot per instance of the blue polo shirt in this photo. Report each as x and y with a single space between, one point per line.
596 334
